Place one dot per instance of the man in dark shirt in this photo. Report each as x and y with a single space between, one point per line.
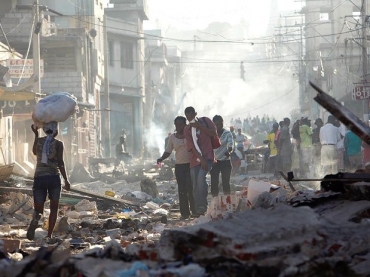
285 146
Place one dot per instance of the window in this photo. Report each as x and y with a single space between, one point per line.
111 52
324 16
127 55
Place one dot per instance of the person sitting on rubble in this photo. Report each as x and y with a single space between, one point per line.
177 142
50 163
121 153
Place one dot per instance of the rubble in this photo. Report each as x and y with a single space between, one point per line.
276 233
149 187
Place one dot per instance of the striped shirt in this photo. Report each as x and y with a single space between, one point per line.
226 141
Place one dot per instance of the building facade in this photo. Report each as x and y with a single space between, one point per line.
71 51
126 62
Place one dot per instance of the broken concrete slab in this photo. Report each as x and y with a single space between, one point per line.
342 211
247 236
357 191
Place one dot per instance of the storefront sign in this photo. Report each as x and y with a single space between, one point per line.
10 108
361 93
16 68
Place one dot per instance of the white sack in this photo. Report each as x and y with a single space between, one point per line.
55 107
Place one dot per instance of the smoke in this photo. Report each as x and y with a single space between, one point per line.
155 140
271 93
211 71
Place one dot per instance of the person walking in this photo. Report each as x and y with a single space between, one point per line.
329 137
352 145
50 163
305 134
223 153
270 140
285 146
198 136
177 142
316 145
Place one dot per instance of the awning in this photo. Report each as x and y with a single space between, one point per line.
23 95
18 93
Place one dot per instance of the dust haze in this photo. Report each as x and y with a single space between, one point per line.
212 51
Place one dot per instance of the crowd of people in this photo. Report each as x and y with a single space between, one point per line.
326 148
205 146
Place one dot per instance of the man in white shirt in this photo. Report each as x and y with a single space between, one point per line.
329 137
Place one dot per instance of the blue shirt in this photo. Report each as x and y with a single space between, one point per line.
352 144
226 142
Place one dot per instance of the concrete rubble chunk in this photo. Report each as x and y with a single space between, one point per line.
149 186
246 236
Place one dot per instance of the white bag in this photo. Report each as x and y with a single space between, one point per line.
55 107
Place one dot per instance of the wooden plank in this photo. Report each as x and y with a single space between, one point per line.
29 192
128 201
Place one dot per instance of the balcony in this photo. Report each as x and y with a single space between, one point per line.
127 5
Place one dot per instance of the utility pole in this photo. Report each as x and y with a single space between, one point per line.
108 140
36 46
364 54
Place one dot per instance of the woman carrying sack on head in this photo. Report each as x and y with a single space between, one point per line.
50 163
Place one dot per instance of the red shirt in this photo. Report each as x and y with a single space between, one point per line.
204 142
366 153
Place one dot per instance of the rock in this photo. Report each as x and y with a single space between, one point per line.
114 233
11 220
149 186
20 217
63 225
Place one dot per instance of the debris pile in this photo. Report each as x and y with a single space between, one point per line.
261 230
16 209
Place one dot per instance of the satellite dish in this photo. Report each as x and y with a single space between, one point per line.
93 33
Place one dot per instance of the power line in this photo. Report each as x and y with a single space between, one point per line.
6 39
257 108
248 41
28 49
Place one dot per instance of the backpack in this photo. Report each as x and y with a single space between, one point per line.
215 141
